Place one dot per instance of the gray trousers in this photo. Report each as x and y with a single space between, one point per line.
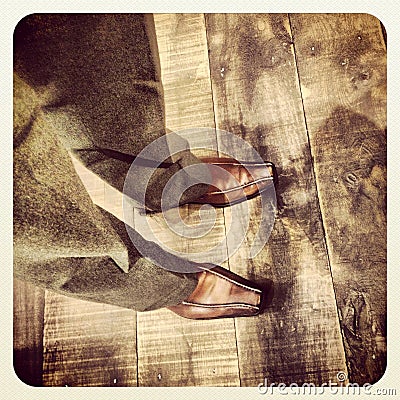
89 84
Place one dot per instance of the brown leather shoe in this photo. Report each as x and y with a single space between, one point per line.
241 181
221 294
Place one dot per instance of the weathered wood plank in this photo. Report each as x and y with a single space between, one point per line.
177 352
28 332
173 351
257 96
88 344
342 65
184 70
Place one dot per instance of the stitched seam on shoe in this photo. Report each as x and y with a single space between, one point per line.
229 305
269 178
234 282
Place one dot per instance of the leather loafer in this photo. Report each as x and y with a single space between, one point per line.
222 294
235 181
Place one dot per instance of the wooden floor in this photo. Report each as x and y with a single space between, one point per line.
308 92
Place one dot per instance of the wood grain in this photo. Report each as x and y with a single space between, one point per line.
257 96
88 344
173 351
28 332
342 65
178 352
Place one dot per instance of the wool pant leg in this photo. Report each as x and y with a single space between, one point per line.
63 242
